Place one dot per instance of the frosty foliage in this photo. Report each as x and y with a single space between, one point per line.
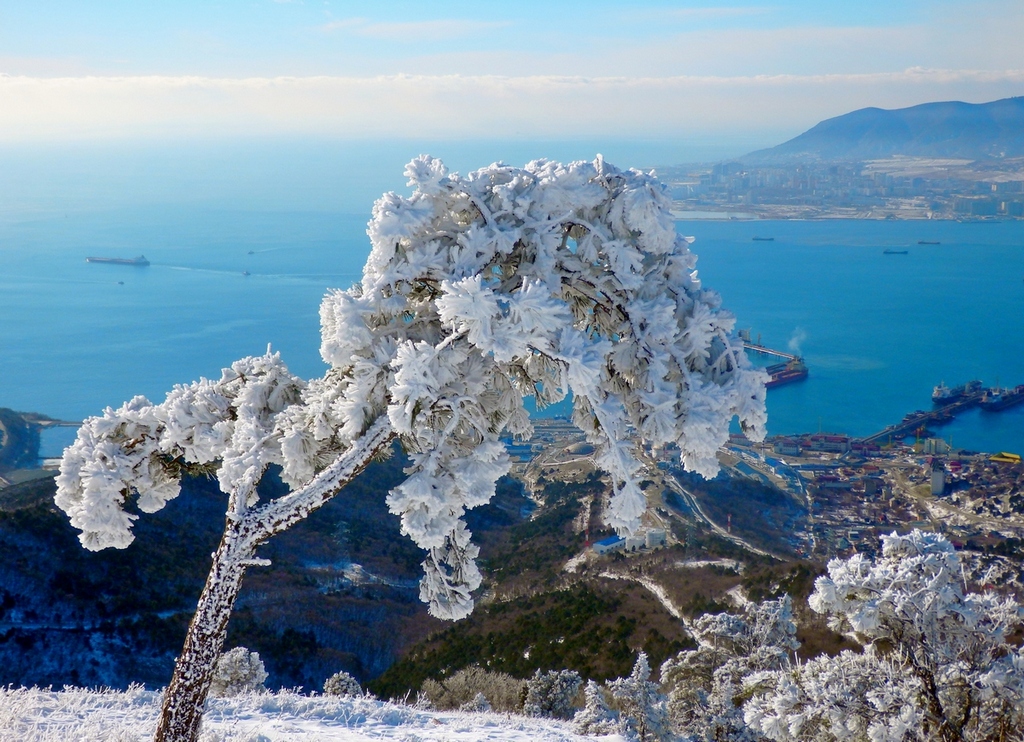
706 686
936 663
596 717
477 704
552 694
478 291
237 671
342 684
142 449
640 705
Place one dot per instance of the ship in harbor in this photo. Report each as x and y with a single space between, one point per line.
943 394
791 369
786 373
141 260
1000 399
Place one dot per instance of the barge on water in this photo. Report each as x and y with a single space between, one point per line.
141 260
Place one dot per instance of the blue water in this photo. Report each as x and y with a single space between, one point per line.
878 331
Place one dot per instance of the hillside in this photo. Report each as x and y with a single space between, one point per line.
341 592
948 129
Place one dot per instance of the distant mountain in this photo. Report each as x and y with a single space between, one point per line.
950 129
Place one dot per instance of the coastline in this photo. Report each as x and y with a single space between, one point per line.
20 442
712 213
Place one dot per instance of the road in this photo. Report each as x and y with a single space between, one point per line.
691 502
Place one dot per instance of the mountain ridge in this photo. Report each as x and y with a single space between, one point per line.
946 129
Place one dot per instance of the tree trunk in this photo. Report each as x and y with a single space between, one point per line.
185 697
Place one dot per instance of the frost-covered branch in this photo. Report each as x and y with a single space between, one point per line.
936 664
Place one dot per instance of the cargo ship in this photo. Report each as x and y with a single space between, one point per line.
942 394
895 252
141 260
763 239
1000 399
786 373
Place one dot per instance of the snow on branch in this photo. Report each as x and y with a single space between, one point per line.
141 449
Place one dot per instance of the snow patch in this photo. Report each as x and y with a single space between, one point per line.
35 715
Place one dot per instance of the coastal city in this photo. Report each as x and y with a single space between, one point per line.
847 491
901 187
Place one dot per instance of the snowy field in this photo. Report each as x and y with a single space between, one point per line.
81 715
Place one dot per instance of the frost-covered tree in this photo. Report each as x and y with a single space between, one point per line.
936 662
596 717
706 686
551 694
477 704
478 291
237 671
640 704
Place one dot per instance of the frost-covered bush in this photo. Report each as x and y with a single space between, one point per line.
706 686
936 662
237 671
640 705
342 684
552 694
596 717
502 691
477 703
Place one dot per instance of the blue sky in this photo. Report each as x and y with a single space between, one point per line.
756 72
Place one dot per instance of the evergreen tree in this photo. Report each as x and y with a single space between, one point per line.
641 707
552 693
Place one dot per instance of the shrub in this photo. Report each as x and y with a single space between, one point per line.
552 694
342 684
237 671
477 704
503 692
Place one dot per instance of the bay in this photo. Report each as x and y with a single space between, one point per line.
878 331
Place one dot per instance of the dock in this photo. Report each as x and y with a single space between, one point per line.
920 419
791 368
764 350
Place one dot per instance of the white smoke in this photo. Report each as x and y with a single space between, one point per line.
796 340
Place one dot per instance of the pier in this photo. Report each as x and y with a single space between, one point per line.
920 419
764 350
791 368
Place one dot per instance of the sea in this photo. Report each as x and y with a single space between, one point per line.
228 277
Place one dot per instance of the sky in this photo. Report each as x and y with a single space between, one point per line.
743 75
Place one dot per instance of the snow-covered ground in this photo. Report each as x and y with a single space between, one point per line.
74 714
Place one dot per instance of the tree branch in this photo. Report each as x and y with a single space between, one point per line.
283 512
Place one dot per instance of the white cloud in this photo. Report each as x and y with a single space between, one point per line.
467 106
